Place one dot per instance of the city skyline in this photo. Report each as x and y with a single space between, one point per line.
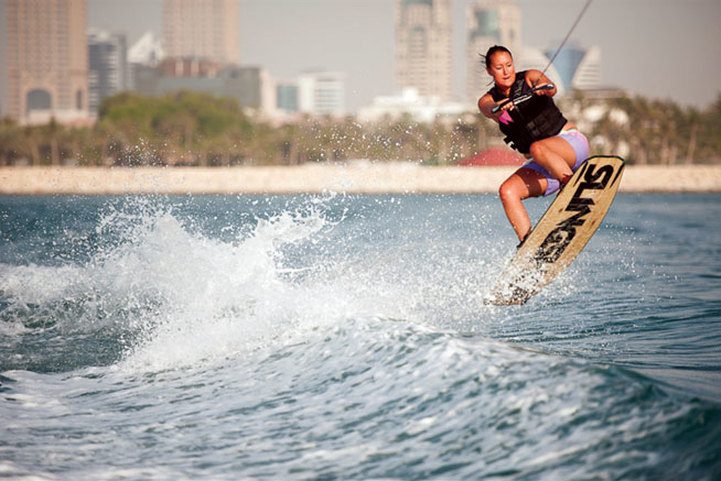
649 47
672 51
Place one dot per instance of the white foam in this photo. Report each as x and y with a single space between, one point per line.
218 298
179 297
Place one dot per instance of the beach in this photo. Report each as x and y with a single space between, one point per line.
358 177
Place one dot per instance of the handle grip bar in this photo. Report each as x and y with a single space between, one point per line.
522 98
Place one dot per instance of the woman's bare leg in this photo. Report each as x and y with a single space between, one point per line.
524 183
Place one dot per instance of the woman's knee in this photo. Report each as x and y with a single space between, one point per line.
508 192
537 150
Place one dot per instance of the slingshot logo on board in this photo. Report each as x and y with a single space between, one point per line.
558 239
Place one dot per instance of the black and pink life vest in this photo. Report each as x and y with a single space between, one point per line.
536 119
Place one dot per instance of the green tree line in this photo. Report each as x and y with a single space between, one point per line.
188 128
660 131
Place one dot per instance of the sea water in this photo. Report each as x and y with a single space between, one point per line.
346 337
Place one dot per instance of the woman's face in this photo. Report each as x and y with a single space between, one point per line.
501 69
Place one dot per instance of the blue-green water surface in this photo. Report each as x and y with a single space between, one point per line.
346 337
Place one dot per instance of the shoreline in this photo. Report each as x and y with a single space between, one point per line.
354 178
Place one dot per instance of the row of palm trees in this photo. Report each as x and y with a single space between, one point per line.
196 129
661 132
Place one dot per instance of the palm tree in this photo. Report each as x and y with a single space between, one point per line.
693 117
10 142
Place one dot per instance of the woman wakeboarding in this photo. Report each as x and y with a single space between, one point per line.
522 104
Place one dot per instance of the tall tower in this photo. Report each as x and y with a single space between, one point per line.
46 61
201 28
489 22
107 61
423 46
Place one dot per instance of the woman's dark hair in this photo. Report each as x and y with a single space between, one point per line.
493 50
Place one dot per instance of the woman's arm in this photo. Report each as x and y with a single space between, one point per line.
486 105
535 78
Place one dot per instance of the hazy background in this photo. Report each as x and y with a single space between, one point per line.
656 48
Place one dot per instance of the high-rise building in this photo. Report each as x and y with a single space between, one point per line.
205 29
423 57
489 22
45 61
322 93
108 66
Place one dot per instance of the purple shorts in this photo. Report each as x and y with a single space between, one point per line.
579 143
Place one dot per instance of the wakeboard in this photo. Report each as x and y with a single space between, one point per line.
562 232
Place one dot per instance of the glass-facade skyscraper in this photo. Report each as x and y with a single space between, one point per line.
108 67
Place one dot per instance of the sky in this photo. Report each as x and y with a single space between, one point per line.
667 49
